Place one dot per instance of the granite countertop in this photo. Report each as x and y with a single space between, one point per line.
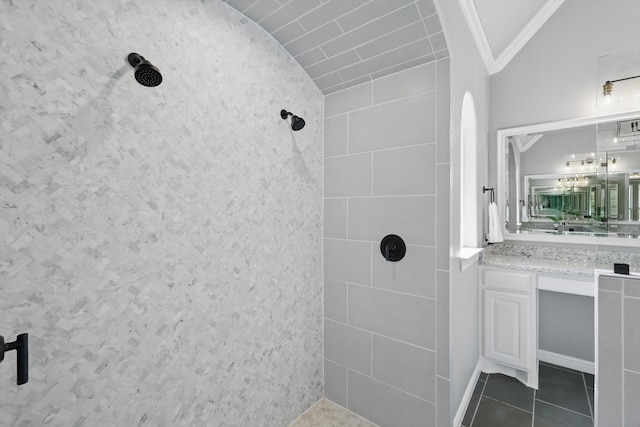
574 262
544 265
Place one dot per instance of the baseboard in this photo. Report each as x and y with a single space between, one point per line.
466 398
567 361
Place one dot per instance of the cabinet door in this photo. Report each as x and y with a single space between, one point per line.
506 328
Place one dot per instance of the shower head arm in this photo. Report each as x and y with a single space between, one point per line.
135 59
285 114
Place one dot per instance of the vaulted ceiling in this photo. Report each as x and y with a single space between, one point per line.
342 43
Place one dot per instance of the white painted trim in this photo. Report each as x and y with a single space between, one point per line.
567 361
525 142
567 286
466 398
477 32
492 64
525 35
468 257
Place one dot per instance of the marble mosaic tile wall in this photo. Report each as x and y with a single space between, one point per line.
386 327
161 246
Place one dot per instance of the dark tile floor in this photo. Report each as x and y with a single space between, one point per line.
564 398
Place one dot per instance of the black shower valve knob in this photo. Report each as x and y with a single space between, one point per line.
393 248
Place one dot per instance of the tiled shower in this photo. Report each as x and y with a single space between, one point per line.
387 172
165 245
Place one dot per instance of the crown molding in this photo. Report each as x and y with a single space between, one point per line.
495 65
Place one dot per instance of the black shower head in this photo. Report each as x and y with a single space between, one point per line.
297 123
146 74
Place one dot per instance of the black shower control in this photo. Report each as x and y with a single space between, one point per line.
393 248
21 346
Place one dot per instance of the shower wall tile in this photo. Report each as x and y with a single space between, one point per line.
289 32
393 124
442 323
414 274
443 408
162 246
335 136
415 81
348 261
335 300
347 100
367 13
347 346
402 317
348 176
443 111
631 309
443 199
335 383
405 171
311 56
610 367
387 406
335 218
631 394
394 40
610 283
632 290
404 366
313 38
412 218
393 119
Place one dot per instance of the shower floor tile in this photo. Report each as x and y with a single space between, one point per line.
325 413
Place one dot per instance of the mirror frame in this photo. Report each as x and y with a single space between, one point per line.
502 141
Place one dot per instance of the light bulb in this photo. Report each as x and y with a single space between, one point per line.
607 88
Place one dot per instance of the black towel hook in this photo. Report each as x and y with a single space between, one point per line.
21 346
493 194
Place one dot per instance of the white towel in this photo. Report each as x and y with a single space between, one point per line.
524 214
495 228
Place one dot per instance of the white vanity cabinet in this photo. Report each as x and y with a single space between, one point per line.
509 324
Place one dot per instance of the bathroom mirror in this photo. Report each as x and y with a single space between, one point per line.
575 181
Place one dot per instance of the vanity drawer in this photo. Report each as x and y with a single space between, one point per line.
567 286
507 281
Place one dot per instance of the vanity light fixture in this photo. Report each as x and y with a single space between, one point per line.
607 88
585 161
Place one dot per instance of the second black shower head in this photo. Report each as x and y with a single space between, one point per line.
297 123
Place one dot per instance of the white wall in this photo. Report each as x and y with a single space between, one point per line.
468 73
161 246
554 77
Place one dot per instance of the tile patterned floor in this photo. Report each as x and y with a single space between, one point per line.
325 413
564 398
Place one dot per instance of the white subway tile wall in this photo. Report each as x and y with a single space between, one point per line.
395 123
162 246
